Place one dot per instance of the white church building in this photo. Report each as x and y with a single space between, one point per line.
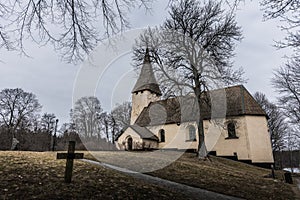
240 133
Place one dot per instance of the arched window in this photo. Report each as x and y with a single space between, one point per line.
162 136
192 133
231 130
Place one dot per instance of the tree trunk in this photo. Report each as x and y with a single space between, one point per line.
291 160
106 131
202 151
11 132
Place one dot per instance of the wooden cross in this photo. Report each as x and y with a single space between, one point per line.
70 156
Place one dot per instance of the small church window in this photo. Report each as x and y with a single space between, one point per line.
192 133
162 135
231 130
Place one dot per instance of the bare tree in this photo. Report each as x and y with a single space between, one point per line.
48 122
192 51
119 118
85 116
72 26
286 81
121 114
17 108
277 123
287 11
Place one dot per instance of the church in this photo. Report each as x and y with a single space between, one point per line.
235 126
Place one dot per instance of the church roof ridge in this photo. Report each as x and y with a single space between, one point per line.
146 80
143 132
238 101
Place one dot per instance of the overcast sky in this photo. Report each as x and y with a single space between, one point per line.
53 80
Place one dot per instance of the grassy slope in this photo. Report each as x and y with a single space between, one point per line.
31 175
26 175
219 175
227 177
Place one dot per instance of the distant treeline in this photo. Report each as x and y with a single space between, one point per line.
43 141
286 159
24 127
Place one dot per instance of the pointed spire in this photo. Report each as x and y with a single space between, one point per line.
147 56
146 80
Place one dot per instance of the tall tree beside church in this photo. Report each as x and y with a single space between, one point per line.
192 51
277 122
86 116
17 108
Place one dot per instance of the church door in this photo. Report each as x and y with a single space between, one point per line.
129 144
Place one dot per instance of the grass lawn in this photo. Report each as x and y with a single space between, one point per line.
218 175
227 177
36 175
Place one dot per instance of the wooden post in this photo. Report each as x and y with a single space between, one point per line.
70 156
273 173
54 136
69 163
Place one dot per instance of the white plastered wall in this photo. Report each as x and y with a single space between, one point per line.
216 134
253 141
176 136
259 139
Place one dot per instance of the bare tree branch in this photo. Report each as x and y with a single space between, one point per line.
72 26
287 11
287 83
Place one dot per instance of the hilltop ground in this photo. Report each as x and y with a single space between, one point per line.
25 175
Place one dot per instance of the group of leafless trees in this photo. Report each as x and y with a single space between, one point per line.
90 121
286 79
284 122
284 117
21 121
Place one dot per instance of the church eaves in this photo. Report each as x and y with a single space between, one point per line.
146 80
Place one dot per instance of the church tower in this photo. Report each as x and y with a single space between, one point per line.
146 89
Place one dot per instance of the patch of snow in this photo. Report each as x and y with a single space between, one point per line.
295 170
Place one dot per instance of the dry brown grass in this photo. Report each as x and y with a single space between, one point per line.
218 175
33 175
227 177
29 175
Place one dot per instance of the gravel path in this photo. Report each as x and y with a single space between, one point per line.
190 192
